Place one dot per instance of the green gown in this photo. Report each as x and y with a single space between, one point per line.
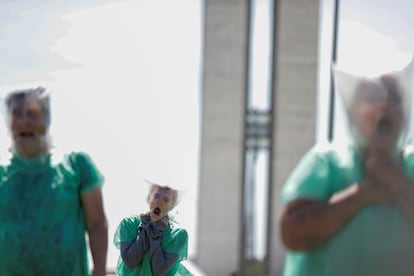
42 228
377 241
174 240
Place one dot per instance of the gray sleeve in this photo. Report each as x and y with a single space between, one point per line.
161 261
133 252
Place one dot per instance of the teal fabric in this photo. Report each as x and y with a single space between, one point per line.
377 241
174 240
42 228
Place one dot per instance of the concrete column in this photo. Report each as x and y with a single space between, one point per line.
295 96
223 100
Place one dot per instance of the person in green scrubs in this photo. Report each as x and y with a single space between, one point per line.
152 243
349 207
48 201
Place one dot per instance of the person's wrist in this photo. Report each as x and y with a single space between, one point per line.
98 272
355 194
161 223
155 241
403 184
348 191
360 195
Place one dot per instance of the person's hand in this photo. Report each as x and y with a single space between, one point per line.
143 238
145 221
156 227
371 193
384 170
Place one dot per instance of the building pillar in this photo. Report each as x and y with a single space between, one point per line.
295 98
223 102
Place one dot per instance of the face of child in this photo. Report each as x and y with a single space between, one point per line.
161 201
378 116
28 126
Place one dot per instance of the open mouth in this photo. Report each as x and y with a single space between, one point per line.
384 126
157 211
26 134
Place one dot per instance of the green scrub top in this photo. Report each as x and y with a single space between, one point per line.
42 228
174 240
377 241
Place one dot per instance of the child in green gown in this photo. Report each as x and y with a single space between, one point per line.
152 243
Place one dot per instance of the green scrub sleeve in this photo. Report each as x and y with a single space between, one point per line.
310 178
88 173
126 231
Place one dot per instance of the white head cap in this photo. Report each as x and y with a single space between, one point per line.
177 191
348 86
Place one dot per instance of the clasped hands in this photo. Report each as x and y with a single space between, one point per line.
152 229
384 179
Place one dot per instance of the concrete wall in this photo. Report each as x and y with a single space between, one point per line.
295 97
223 89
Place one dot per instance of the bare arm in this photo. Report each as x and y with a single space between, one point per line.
306 224
97 228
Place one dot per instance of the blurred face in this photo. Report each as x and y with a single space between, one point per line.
161 201
28 126
378 116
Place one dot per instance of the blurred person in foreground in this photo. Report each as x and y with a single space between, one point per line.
152 243
349 208
48 202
